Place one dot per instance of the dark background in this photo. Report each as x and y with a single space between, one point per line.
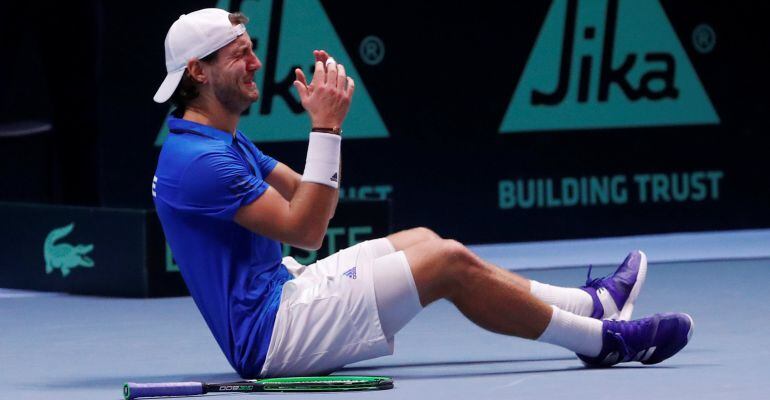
90 69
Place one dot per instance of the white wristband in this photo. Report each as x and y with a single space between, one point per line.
323 159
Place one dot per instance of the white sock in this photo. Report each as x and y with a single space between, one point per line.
573 300
583 335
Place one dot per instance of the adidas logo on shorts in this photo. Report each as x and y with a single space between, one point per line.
351 273
334 177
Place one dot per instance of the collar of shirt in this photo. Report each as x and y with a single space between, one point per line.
179 124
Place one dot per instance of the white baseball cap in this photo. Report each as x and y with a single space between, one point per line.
194 35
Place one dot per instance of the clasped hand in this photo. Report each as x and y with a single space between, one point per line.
327 98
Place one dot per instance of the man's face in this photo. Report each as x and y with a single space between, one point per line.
232 75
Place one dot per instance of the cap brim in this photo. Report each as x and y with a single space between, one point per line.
168 86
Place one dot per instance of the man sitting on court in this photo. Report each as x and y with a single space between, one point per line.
226 207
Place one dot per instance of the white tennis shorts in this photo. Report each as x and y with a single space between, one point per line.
328 316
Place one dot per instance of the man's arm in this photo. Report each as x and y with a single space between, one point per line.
284 180
301 222
298 214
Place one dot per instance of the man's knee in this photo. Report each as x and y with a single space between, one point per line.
455 252
424 234
412 237
459 257
442 267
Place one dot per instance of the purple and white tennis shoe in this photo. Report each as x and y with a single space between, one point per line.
614 295
648 340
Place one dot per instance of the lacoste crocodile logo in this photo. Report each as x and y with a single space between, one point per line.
64 256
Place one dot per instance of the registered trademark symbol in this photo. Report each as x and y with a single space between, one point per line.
704 38
372 50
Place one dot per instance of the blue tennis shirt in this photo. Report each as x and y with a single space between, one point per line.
235 276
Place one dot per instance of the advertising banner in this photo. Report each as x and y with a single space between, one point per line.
491 122
122 252
98 251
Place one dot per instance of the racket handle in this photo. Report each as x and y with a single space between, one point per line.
133 390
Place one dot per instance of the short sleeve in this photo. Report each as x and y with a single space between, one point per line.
218 184
265 163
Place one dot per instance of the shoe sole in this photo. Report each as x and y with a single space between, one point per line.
628 308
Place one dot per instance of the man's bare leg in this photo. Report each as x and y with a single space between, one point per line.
410 237
447 269
487 296
569 299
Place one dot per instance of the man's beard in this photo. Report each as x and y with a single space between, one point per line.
232 98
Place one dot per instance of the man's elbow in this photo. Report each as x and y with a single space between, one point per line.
309 245
310 240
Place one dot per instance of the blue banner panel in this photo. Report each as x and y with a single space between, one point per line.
122 252
80 250
485 121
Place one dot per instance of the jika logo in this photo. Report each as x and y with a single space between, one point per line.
65 256
285 34
607 64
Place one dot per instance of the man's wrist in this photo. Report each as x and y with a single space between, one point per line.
336 130
323 159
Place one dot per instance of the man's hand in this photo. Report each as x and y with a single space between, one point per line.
327 97
321 55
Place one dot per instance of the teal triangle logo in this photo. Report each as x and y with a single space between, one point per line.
286 32
607 64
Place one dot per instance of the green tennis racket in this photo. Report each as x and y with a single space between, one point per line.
332 383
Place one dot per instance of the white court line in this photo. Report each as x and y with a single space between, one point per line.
673 247
19 294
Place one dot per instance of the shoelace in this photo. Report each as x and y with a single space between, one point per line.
626 350
594 283
627 353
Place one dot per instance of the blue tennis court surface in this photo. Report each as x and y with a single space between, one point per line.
55 346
